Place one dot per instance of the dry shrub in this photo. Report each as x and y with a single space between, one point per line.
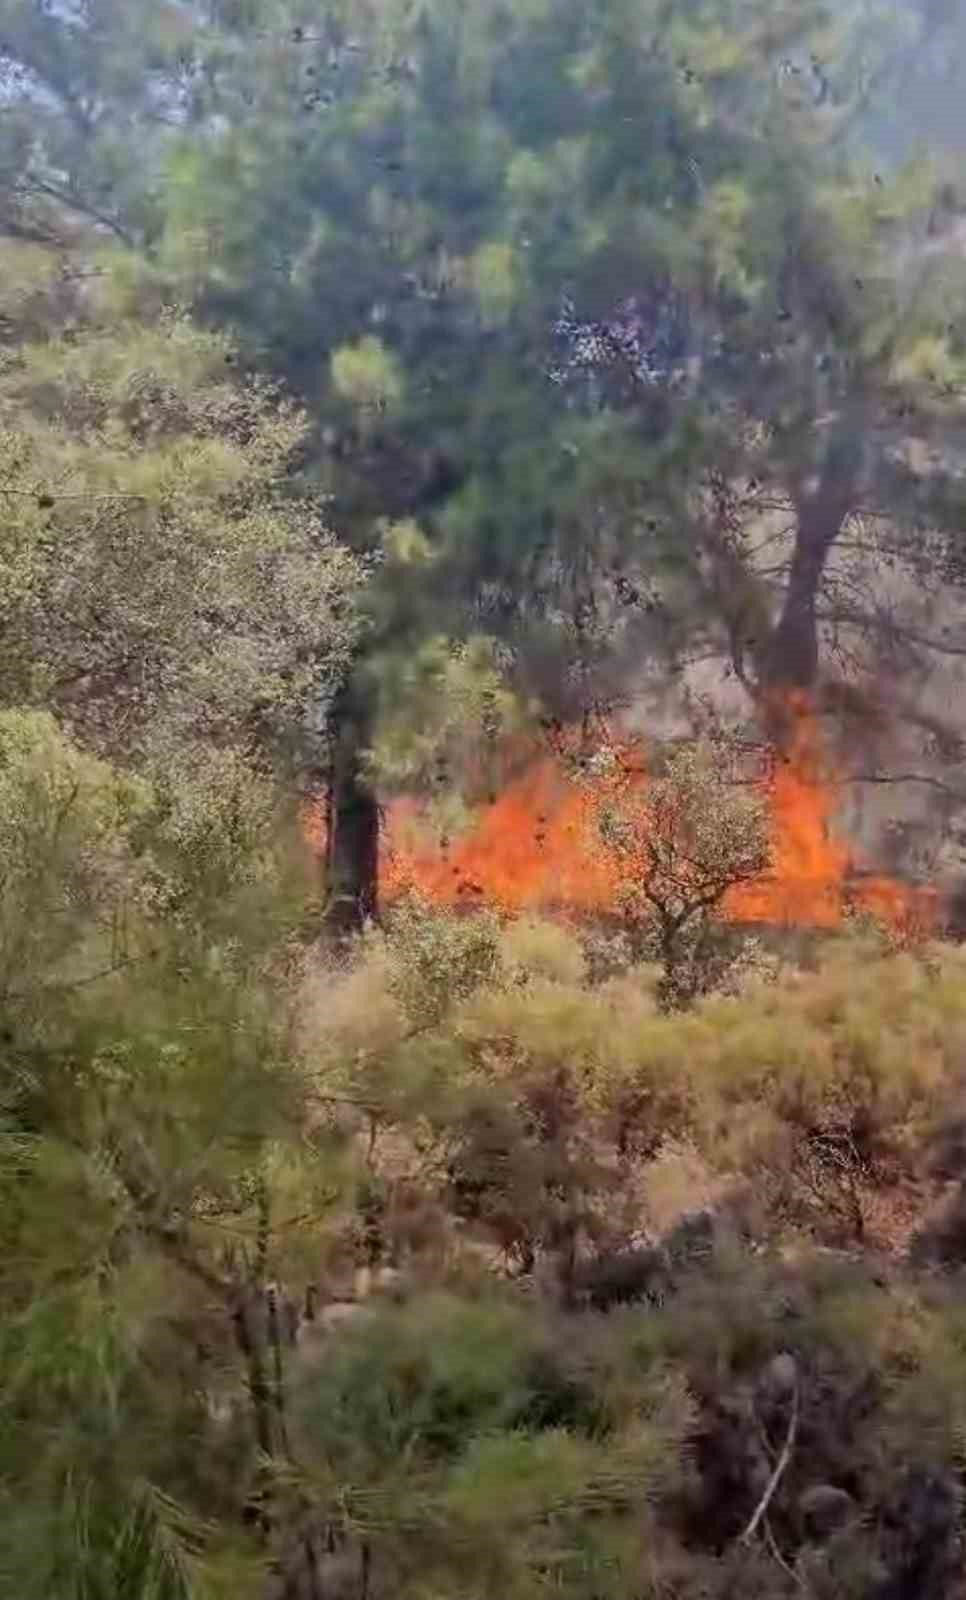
875 1373
861 1048
532 947
559 1118
347 1010
604 1043
549 1108
678 1182
822 1089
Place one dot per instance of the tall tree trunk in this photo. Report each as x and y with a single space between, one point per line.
791 655
790 659
352 844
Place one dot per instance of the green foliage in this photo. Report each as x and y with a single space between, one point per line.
147 1100
445 712
418 1382
148 1083
100 869
394 210
435 960
495 281
291 180
158 585
406 283
65 822
367 376
687 839
207 1135
455 1435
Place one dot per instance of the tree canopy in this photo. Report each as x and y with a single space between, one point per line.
646 310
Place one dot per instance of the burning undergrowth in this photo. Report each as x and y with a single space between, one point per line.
540 844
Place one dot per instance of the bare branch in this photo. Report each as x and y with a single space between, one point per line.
42 494
74 202
776 1477
923 778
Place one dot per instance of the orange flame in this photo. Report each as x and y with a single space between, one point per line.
537 846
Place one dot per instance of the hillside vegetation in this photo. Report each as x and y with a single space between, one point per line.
461 459
459 1265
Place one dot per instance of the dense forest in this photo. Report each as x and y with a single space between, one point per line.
482 799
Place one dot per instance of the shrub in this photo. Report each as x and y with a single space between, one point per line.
684 839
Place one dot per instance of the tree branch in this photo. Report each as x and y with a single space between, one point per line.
42 494
776 1477
74 202
67 985
924 778
900 632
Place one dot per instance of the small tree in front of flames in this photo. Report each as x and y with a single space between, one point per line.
685 837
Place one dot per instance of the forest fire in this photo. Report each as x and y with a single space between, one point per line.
537 846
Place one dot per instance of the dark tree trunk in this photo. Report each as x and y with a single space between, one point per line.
352 845
790 660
